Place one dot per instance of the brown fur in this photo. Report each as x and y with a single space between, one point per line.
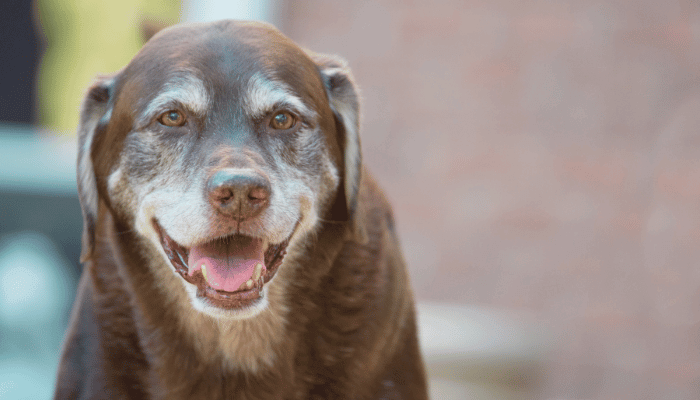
340 323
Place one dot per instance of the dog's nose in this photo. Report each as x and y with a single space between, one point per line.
240 194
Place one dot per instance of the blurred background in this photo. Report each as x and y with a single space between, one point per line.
541 157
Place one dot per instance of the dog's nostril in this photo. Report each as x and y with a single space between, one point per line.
258 194
222 194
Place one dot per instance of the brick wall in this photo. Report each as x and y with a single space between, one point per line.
542 156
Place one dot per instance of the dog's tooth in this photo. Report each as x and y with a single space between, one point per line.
257 272
204 272
246 285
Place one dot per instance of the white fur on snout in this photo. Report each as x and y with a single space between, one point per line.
189 219
182 213
186 216
263 95
185 89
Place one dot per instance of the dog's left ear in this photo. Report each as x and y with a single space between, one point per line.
343 96
94 116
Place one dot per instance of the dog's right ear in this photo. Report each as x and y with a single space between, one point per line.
94 117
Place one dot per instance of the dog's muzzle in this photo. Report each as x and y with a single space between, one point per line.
229 271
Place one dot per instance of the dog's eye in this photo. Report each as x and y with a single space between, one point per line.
282 120
172 118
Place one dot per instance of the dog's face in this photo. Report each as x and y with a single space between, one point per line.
220 144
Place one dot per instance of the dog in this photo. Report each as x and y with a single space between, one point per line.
234 246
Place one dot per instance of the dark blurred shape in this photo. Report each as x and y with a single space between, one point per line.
57 217
19 56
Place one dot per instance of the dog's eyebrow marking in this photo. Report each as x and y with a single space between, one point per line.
184 89
263 95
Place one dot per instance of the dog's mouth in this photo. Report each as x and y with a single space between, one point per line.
229 271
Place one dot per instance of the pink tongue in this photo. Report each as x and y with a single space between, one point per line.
229 263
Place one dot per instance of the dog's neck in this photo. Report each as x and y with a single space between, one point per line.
246 345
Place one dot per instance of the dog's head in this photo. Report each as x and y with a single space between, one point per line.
219 144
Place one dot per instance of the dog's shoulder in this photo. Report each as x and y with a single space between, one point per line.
366 332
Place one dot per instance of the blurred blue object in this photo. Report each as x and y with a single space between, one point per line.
37 187
40 225
34 286
36 164
36 291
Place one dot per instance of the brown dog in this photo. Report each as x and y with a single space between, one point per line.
234 246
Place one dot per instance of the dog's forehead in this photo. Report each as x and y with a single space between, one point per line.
225 58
